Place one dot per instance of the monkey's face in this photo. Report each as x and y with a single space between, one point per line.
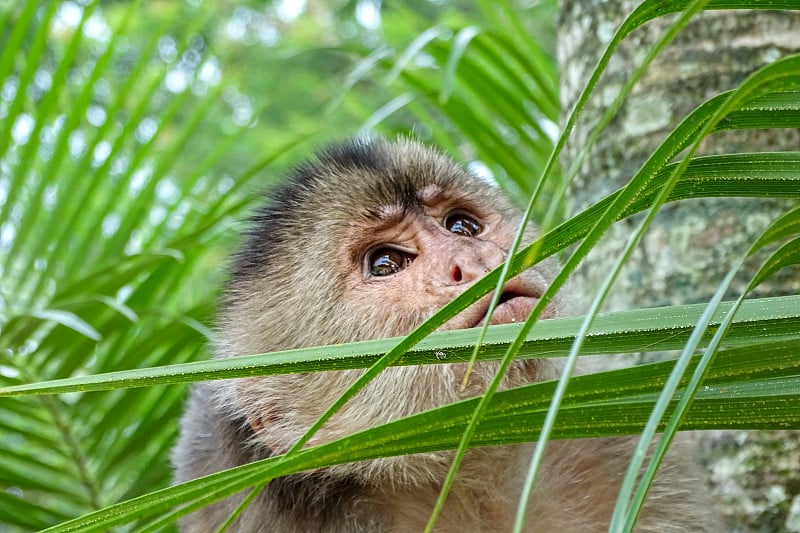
367 242
409 261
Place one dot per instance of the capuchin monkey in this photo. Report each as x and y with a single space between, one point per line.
367 241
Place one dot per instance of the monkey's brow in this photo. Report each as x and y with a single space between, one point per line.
431 194
374 222
385 216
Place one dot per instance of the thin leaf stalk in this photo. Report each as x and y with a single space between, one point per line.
532 255
665 398
703 366
250 498
623 515
571 360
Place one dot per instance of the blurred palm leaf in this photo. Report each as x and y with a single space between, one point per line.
109 248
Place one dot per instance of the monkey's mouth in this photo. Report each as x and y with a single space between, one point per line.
516 302
513 306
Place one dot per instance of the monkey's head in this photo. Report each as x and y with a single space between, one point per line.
366 241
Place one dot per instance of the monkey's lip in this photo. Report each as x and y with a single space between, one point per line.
516 302
511 308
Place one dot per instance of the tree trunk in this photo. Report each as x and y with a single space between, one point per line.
692 244
688 251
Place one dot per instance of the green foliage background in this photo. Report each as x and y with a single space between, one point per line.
132 136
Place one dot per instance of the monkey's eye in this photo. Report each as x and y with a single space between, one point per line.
462 224
387 261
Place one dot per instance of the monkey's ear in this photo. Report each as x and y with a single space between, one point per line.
261 424
256 424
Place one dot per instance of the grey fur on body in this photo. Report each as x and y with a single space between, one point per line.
294 284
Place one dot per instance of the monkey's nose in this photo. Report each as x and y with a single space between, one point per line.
469 261
467 270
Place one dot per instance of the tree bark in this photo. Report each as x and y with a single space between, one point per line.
692 244
688 250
